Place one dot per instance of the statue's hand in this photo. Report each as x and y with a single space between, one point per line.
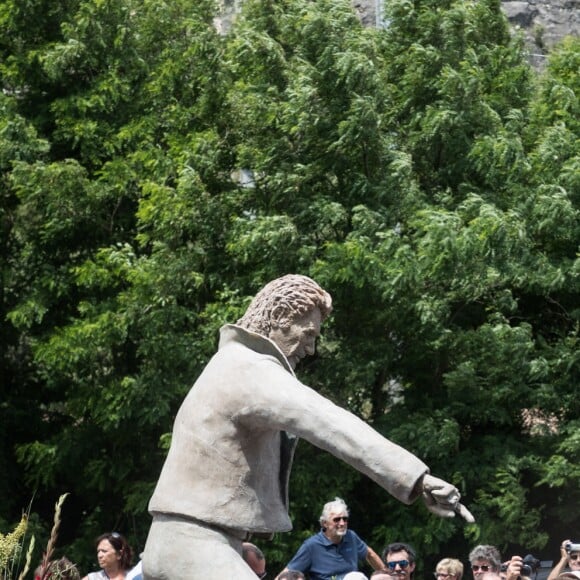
442 499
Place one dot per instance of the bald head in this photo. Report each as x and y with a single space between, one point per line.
254 558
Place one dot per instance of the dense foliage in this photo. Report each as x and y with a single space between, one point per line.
155 174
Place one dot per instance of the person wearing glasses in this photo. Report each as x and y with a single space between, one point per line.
569 557
448 569
484 558
399 560
335 550
226 476
255 559
114 555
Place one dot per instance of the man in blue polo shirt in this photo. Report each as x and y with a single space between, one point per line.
335 550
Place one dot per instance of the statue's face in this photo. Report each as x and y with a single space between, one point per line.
297 339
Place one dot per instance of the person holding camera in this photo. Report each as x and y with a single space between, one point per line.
520 568
569 556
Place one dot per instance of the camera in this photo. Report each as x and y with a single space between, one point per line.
530 565
570 547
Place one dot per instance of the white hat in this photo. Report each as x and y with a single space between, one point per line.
355 576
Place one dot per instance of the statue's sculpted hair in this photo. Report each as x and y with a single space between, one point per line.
283 300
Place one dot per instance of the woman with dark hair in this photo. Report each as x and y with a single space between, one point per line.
114 555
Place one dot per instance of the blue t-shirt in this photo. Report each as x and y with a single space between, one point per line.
324 560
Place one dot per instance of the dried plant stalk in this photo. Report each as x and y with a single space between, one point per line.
28 559
53 535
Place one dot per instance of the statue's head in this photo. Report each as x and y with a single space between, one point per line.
289 311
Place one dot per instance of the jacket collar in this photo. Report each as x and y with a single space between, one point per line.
256 342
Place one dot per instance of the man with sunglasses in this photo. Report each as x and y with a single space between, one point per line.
399 560
484 558
335 550
569 557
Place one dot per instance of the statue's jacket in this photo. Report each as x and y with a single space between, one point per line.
235 434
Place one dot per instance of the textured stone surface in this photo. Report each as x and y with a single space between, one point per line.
544 22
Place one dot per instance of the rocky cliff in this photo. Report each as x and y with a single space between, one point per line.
544 22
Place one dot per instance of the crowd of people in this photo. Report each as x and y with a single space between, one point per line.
334 553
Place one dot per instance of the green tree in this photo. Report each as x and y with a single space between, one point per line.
555 160
87 227
458 75
19 142
416 172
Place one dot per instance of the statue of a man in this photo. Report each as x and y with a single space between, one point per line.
226 476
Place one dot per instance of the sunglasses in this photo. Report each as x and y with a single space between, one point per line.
340 518
483 568
442 575
402 564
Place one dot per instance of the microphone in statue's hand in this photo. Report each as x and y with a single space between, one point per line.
442 499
